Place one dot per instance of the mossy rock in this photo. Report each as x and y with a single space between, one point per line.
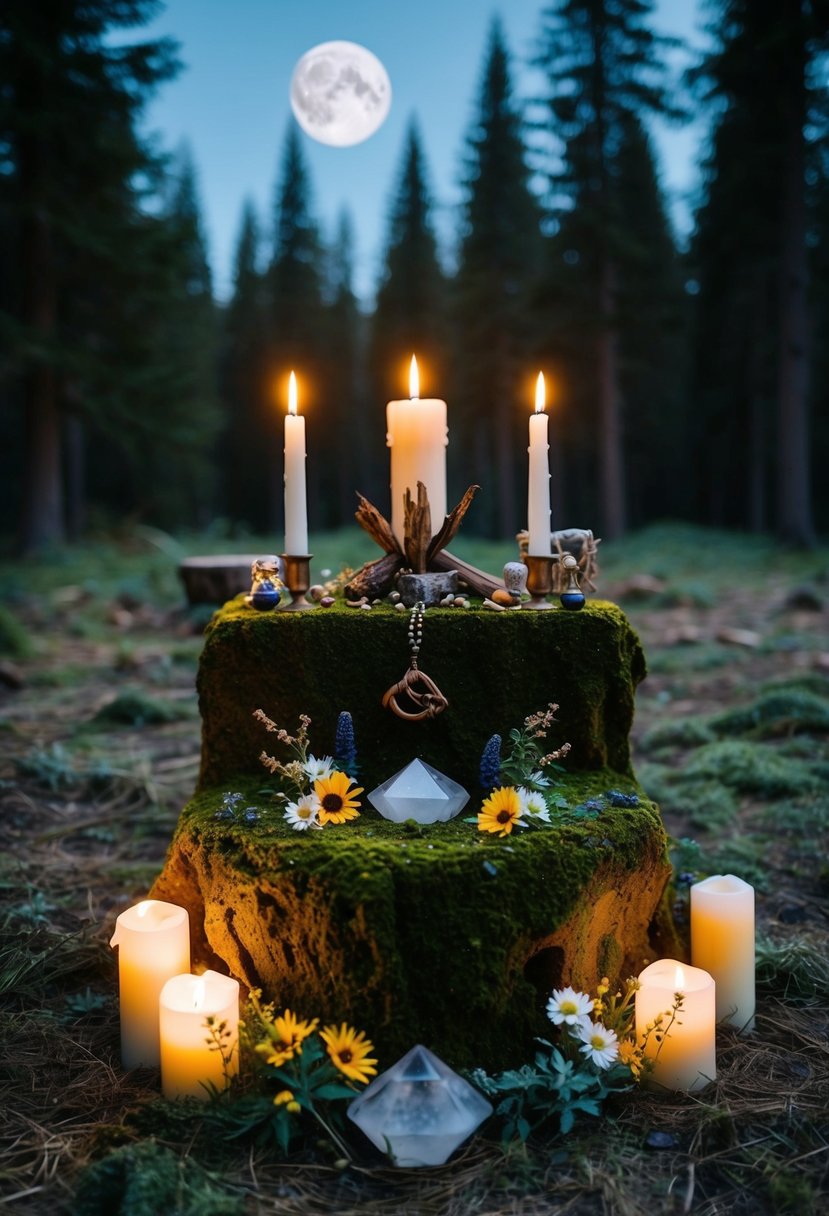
495 668
438 934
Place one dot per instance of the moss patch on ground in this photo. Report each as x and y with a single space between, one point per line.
495 669
434 933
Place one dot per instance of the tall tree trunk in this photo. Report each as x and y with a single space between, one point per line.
75 444
505 445
794 509
42 520
611 460
756 412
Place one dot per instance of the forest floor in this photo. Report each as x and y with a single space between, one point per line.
99 742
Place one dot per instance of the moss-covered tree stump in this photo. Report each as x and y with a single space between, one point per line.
439 934
494 667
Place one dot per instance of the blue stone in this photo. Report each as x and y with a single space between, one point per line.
572 600
264 596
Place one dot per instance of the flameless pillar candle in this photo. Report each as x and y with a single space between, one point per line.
190 1058
296 502
722 941
153 941
417 436
538 498
686 1056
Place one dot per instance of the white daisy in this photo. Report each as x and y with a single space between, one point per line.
538 779
532 803
318 770
304 813
600 1044
569 1008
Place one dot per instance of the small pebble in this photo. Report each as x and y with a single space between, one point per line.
394 596
447 601
354 603
501 596
489 868
326 573
327 601
466 604
400 607
316 592
374 603
366 606
459 601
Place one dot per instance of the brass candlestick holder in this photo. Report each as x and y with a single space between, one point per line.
539 580
297 580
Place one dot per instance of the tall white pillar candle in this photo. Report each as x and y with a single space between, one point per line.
153 940
191 1058
684 1055
538 497
296 500
722 942
417 435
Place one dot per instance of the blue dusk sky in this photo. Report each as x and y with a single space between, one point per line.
231 105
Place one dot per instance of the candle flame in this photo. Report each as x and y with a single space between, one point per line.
292 394
143 908
679 979
198 994
540 394
414 380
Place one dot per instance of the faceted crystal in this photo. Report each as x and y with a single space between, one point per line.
419 1111
418 792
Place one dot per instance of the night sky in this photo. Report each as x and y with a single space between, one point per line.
231 105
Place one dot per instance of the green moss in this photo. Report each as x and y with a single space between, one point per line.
15 639
495 668
776 712
750 768
677 732
146 1180
136 708
437 934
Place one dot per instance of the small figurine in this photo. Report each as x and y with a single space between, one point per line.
266 583
572 597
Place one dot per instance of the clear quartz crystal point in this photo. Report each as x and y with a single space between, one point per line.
419 1110
418 792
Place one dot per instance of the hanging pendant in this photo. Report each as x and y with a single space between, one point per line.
416 689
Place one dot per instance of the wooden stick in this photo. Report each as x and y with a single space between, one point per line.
451 523
378 528
478 580
375 579
417 525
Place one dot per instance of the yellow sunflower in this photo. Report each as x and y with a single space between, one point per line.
501 811
285 1035
337 802
349 1049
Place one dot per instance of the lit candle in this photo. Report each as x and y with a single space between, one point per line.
153 941
194 1054
685 1055
417 435
296 503
722 941
538 497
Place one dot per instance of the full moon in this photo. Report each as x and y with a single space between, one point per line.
340 93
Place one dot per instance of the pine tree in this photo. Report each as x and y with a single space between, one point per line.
758 183
68 108
345 444
297 317
410 310
601 62
250 415
500 244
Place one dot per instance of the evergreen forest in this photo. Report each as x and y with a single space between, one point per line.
690 382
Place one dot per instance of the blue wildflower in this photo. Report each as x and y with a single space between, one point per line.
490 769
618 798
345 747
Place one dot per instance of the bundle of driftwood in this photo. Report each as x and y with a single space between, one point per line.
421 552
